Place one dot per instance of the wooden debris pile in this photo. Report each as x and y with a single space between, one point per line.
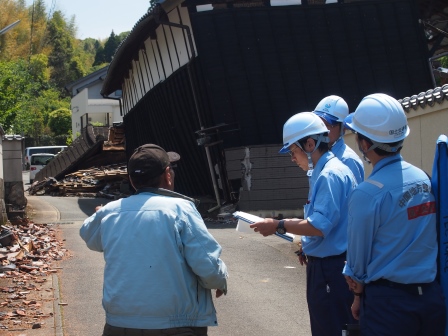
106 181
27 262
115 139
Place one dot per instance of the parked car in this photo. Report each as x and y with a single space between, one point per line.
37 162
41 149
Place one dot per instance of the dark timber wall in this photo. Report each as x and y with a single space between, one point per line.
263 64
167 116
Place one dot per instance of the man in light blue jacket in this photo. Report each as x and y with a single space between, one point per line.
161 261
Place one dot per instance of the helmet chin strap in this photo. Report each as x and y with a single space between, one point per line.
319 139
334 143
366 159
341 134
385 147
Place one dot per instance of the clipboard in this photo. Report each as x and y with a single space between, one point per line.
245 219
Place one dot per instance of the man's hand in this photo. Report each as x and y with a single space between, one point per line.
353 285
267 227
219 293
356 306
302 257
98 207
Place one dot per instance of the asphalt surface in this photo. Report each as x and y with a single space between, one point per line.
80 280
266 286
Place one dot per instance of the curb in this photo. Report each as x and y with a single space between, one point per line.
58 330
43 212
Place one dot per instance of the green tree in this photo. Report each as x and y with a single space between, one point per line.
38 69
99 57
123 35
16 84
26 97
61 57
110 47
38 24
38 58
60 121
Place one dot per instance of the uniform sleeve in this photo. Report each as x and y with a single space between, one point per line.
90 232
327 203
361 228
203 252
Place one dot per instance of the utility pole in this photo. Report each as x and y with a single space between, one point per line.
12 25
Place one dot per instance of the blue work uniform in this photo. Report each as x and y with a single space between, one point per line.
349 158
329 299
392 250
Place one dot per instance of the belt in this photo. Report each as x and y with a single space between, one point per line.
412 288
311 258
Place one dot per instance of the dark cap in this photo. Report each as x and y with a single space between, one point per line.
150 160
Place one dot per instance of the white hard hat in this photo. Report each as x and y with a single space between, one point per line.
380 118
302 125
333 109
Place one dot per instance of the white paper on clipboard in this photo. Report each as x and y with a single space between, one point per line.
245 219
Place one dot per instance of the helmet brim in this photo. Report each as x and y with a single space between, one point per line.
348 122
332 120
285 149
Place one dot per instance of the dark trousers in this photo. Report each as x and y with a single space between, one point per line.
402 310
182 331
328 296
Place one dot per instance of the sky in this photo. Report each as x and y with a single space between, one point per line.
97 18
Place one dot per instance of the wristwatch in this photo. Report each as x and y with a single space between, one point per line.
281 227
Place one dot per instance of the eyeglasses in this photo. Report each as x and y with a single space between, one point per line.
173 166
291 152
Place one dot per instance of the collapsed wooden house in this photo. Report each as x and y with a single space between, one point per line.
216 80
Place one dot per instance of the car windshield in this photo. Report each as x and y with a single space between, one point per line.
40 159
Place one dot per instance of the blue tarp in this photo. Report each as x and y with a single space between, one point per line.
439 184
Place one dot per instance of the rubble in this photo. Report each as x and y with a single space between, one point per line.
107 181
28 258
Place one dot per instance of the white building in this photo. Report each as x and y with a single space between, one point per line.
89 106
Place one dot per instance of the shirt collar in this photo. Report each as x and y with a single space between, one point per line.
387 160
322 162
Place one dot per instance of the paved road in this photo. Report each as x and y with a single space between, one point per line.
266 286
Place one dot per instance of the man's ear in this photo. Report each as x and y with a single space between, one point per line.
363 144
167 177
310 145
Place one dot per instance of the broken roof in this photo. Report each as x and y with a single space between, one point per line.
433 13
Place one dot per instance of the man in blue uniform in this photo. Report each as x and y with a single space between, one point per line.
333 110
392 239
324 227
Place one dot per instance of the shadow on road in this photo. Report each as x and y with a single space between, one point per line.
87 205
